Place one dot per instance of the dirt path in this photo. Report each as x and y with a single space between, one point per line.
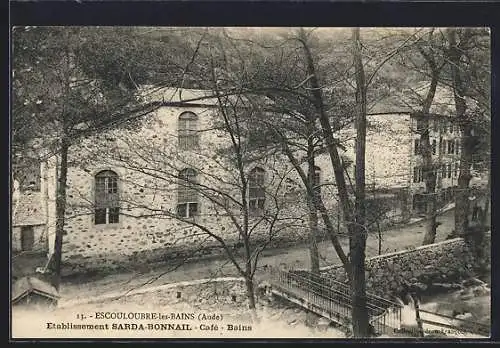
394 239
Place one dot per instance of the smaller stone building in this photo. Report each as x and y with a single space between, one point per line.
29 223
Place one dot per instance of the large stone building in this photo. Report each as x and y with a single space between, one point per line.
125 185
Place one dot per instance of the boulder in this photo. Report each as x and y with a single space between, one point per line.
419 286
445 287
323 322
473 282
466 296
481 291
464 316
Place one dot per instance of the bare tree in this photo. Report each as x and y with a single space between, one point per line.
223 188
61 94
462 202
357 240
293 125
433 58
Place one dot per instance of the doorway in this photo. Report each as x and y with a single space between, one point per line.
27 238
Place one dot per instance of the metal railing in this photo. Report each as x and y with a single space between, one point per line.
333 298
466 325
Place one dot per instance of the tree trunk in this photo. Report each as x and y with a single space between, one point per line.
336 161
379 238
417 317
484 217
462 204
320 207
462 194
248 271
431 223
313 244
357 241
311 204
429 168
250 292
60 212
311 318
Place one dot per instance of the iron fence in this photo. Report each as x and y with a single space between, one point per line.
333 298
465 325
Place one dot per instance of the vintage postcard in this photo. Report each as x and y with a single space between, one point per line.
250 182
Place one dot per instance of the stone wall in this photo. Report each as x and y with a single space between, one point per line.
226 293
388 150
202 293
147 160
441 263
39 240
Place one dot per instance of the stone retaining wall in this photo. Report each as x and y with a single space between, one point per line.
77 265
228 292
441 263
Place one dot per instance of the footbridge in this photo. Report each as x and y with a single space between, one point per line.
332 300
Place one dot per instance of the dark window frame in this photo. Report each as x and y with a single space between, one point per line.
187 195
256 192
317 180
451 147
187 131
106 198
416 145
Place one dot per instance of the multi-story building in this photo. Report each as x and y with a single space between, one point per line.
124 184
394 164
445 140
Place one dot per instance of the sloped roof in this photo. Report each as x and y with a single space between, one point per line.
193 96
407 101
28 210
27 285
182 95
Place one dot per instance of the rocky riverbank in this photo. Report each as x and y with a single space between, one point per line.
469 300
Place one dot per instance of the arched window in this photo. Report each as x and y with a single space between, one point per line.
107 203
317 180
256 193
187 195
188 131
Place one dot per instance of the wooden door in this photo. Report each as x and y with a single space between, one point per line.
27 238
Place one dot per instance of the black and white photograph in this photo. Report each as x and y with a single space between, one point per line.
250 182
